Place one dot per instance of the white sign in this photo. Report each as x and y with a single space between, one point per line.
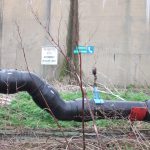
49 56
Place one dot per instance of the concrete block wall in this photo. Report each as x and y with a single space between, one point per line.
121 35
33 35
118 29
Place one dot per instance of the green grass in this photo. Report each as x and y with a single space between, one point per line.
23 112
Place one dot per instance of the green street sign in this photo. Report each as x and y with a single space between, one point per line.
84 50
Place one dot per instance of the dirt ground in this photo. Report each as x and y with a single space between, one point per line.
71 139
50 139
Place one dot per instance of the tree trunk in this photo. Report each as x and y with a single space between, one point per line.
72 40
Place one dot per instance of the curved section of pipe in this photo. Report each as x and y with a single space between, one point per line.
46 97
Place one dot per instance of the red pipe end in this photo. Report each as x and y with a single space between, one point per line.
138 113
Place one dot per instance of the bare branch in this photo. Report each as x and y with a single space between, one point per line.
23 49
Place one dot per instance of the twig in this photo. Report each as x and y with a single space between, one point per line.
22 47
83 97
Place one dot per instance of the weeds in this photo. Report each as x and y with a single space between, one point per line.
23 111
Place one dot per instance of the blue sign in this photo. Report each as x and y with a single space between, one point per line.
90 49
84 50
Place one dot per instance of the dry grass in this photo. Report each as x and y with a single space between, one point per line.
42 139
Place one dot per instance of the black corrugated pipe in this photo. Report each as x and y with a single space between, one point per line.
45 96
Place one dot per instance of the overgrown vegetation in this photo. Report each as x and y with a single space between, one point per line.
23 112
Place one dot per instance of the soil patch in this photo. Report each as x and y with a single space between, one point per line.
50 139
